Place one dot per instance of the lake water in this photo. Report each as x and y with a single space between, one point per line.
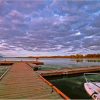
63 63
71 86
74 86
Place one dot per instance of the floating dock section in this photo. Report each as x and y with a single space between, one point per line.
70 71
12 62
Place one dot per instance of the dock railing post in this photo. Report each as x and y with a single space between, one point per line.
51 90
5 59
37 59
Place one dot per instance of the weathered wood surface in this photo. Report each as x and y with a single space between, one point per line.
21 82
12 62
70 71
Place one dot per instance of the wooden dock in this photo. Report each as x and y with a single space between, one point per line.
70 71
12 62
21 82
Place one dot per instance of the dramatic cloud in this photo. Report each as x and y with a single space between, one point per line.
49 27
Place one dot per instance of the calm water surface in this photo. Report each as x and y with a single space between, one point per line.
63 63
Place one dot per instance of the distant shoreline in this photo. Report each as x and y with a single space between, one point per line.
70 56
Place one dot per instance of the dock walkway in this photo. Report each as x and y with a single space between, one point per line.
70 71
21 82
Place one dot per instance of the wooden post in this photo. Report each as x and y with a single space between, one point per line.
37 59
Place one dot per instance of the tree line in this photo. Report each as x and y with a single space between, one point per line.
70 56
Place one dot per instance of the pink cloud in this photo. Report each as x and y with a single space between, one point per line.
2 2
1 19
15 13
27 4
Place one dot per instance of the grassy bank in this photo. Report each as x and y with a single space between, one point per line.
3 69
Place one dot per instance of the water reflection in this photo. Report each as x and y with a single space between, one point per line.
86 60
73 86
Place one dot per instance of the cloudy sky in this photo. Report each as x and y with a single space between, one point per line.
49 27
